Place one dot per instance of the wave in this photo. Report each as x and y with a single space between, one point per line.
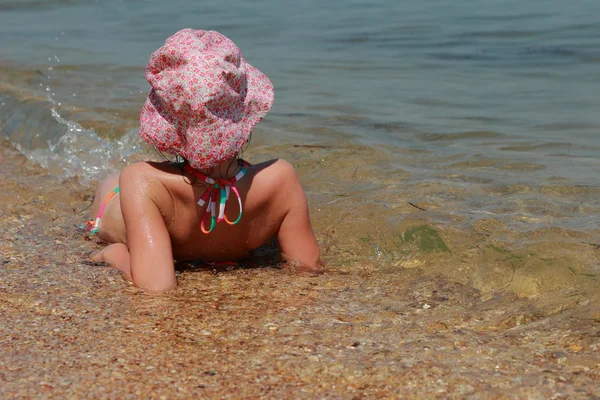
35 127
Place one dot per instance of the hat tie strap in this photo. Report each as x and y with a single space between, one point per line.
221 188
209 213
239 199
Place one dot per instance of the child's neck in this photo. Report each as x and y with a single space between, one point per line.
225 170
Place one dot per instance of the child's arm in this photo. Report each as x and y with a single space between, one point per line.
297 241
148 241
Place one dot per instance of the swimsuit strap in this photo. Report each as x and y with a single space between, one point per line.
218 192
93 226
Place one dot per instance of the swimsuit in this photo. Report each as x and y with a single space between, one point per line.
92 226
217 187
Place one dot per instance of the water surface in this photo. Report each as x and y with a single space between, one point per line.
464 112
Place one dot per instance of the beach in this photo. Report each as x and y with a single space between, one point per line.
432 326
450 158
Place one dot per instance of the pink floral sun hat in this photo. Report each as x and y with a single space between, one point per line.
205 98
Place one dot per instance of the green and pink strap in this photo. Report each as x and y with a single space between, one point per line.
93 225
220 188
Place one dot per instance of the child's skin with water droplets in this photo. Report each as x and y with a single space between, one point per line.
155 218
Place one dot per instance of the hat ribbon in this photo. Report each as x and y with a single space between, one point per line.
218 192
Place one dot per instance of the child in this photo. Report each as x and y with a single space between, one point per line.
203 103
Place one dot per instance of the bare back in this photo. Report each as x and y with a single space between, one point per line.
273 202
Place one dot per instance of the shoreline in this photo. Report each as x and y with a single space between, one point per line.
361 330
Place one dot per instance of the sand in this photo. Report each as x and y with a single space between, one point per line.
472 320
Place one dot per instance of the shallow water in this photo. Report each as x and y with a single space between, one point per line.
447 314
395 116
442 147
482 96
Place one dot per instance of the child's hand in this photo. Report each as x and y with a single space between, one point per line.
117 255
296 266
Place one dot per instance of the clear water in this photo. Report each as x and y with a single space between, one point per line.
483 113
468 95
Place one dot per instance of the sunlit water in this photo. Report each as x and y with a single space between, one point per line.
449 151
495 101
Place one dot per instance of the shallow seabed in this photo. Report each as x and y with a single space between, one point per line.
416 309
449 151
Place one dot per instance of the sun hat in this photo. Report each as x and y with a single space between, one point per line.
204 98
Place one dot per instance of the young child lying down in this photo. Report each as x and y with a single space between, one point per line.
203 103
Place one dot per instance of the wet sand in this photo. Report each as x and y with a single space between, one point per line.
416 309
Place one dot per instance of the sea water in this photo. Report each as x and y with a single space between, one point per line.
449 152
465 110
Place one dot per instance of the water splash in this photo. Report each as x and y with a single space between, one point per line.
36 128
81 152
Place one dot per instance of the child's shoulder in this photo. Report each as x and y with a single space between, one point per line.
277 172
276 181
141 169
277 166
148 175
